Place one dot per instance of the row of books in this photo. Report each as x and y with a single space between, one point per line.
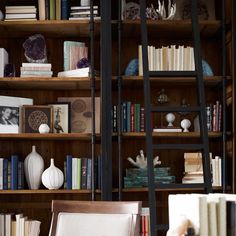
138 178
18 225
22 13
193 169
214 116
170 58
83 13
11 173
78 172
36 70
132 117
208 214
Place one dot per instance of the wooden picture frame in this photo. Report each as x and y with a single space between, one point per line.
61 117
34 116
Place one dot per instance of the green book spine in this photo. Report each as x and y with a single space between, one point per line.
52 10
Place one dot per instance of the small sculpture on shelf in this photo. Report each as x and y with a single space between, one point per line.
162 97
185 124
141 161
44 129
184 104
1 16
163 14
170 118
131 11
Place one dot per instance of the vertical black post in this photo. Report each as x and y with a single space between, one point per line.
201 96
224 105
106 100
119 107
92 81
234 97
147 103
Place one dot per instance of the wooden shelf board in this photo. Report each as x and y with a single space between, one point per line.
46 191
52 83
138 80
171 28
50 136
49 28
171 134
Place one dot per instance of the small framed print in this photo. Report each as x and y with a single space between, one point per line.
34 116
61 117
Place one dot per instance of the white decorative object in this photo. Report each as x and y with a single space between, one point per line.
185 124
84 2
34 166
170 118
44 129
141 161
52 177
166 15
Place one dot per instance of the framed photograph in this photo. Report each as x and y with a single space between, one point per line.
10 113
34 116
61 117
81 114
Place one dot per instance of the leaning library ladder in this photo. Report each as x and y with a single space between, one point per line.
149 109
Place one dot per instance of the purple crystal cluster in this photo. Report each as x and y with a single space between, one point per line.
83 62
35 49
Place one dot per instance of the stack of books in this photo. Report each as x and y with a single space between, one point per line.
21 13
83 13
137 177
21 225
36 70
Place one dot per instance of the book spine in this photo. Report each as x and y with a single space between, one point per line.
52 10
74 173
14 172
99 172
65 174
128 113
1 173
47 10
5 174
220 117
124 117
142 120
84 173
114 118
69 171
20 175
64 10
42 13
132 118
79 172
89 173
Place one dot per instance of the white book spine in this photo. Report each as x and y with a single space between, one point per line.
220 171
42 9
3 60
213 163
140 60
1 173
74 173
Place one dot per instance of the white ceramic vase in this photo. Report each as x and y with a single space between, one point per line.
170 118
52 177
34 166
84 2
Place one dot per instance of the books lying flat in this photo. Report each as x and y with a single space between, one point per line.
21 16
83 12
47 65
83 7
167 130
85 18
83 72
21 10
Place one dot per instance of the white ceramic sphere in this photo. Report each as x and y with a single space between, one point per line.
52 177
84 2
170 118
185 124
44 129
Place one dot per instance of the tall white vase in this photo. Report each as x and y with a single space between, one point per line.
34 166
52 177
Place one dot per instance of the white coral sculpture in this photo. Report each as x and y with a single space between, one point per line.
141 161
162 11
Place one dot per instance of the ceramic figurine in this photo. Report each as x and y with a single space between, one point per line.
170 118
141 161
169 14
1 15
185 124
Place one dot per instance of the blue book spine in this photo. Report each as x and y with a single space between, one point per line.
64 10
14 172
20 175
89 173
69 171
124 116
128 114
5 174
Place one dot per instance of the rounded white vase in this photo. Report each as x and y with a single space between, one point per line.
52 177
34 166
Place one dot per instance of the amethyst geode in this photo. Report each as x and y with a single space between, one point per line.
82 63
35 49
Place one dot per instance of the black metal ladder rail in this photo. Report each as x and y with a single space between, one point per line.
204 146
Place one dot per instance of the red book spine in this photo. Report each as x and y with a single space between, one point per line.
132 118
214 119
220 117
